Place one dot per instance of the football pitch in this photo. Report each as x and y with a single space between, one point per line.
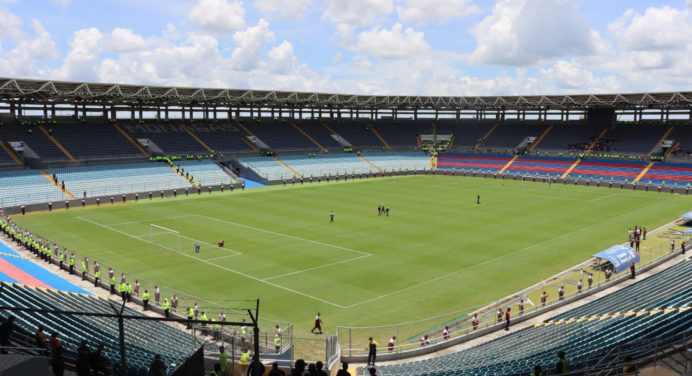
438 250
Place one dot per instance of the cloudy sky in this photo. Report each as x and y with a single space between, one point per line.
411 47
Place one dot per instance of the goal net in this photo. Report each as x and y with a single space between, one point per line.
164 237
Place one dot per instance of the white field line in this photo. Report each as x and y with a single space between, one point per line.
149 220
490 261
145 236
286 235
602 197
220 267
316 267
220 257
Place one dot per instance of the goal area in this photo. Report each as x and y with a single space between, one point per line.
164 237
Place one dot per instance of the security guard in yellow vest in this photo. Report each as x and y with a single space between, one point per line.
145 299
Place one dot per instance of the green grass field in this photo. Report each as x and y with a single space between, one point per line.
437 252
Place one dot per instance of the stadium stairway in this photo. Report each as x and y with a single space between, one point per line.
657 308
669 173
607 169
14 268
143 339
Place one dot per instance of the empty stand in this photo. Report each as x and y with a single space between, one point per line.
570 135
635 138
656 308
205 172
119 179
472 162
278 134
319 133
32 136
144 339
170 137
358 133
670 173
24 187
221 137
511 133
608 169
401 133
549 166
93 140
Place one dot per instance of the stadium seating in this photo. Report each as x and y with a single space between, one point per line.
510 133
24 187
635 138
93 140
358 133
144 338
654 308
266 167
170 137
205 172
399 161
32 136
537 165
5 158
15 269
572 135
608 169
220 137
319 133
402 132
472 162
278 134
670 173
467 133
114 179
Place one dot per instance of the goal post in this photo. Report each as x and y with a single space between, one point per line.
164 237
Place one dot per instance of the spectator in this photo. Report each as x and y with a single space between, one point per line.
157 366
223 360
83 358
256 368
633 272
41 340
561 293
629 368
372 351
5 332
99 363
507 317
244 358
320 372
312 370
276 371
217 370
537 371
562 365
372 371
391 343
544 298
57 355
474 321
424 341
344 370
298 368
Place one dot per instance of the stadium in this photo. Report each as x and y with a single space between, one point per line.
192 230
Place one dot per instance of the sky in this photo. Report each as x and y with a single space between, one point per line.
390 47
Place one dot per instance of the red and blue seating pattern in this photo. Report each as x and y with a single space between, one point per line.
596 169
608 169
472 162
537 165
670 173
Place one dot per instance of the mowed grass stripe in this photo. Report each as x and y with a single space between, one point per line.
435 228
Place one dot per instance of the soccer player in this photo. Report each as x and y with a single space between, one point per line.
331 216
197 247
478 199
318 324
386 211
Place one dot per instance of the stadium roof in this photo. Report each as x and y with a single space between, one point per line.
60 92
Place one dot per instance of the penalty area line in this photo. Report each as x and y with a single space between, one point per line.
218 266
316 267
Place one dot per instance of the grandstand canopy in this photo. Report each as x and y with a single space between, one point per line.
620 256
24 91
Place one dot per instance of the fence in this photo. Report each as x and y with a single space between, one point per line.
410 335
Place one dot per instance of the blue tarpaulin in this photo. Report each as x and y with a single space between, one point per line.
621 256
687 216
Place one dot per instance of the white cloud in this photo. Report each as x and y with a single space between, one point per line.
11 24
218 16
290 10
357 12
281 58
82 61
436 11
125 40
395 43
572 77
250 44
526 32
657 28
